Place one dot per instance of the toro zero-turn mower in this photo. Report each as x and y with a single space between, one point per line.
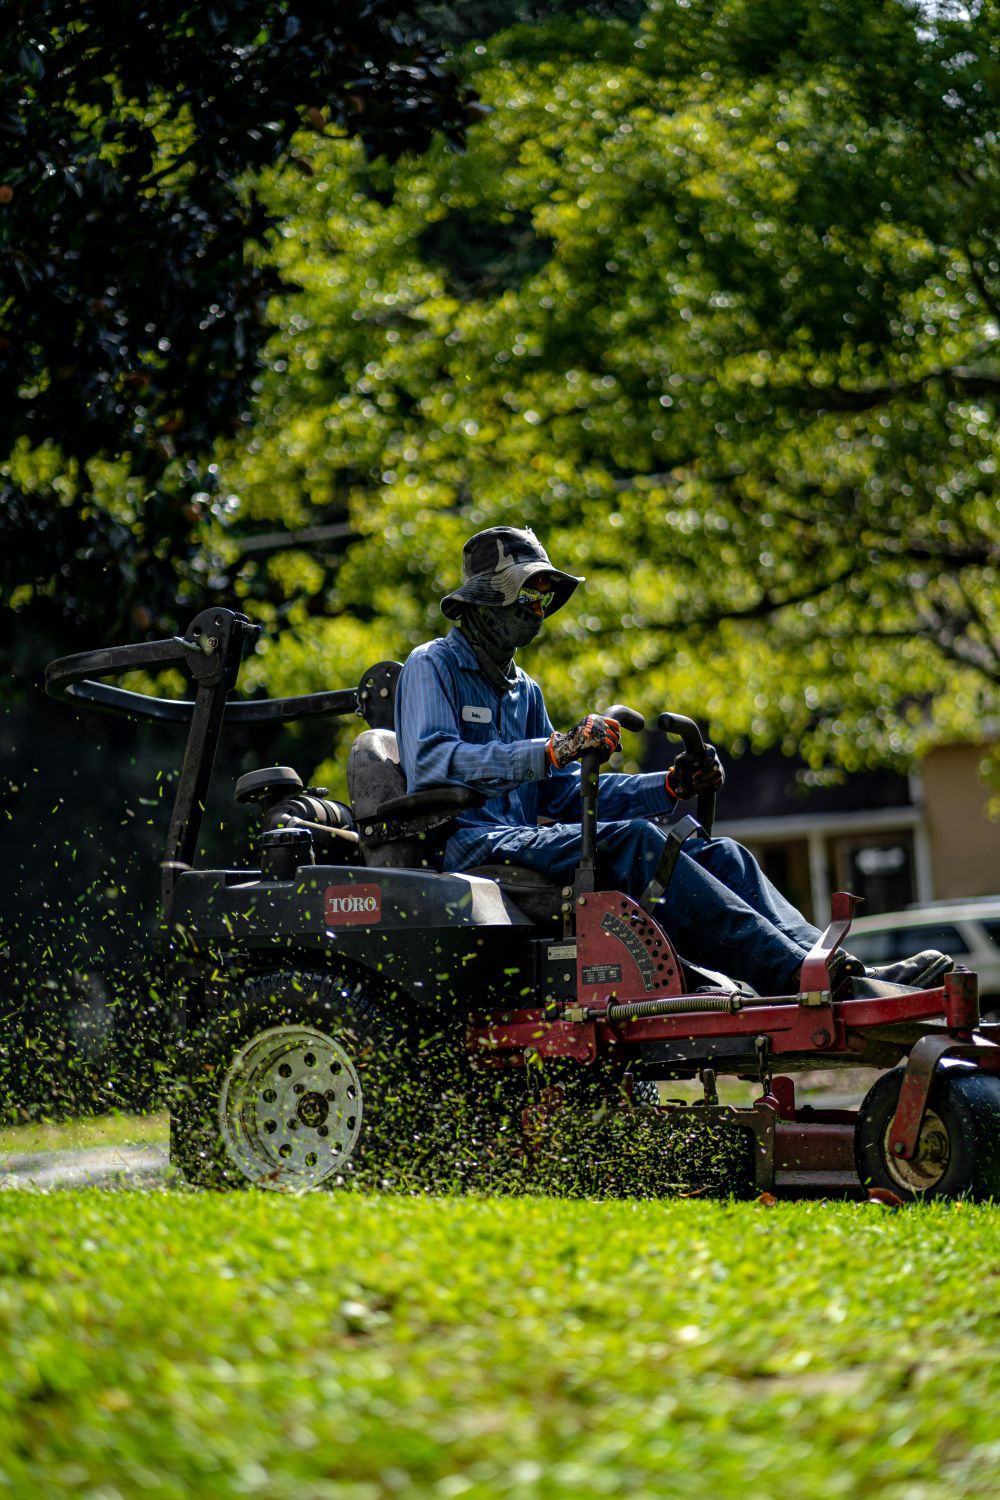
349 1013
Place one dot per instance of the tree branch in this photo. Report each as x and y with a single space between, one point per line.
948 632
983 554
279 541
763 607
990 643
966 557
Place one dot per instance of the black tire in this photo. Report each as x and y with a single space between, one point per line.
958 1153
307 1081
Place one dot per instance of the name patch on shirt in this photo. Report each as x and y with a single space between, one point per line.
472 714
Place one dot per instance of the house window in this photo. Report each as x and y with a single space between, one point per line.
879 869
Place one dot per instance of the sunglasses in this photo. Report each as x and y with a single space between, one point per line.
536 600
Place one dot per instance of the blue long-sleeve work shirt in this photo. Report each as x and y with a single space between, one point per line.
455 729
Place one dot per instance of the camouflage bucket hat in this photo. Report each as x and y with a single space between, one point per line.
496 565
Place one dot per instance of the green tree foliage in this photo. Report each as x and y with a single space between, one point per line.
131 313
711 301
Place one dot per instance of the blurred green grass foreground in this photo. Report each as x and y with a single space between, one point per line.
162 1344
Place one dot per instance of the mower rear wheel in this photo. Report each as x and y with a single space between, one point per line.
958 1151
307 1081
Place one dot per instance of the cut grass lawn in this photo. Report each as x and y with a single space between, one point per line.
337 1346
78 1134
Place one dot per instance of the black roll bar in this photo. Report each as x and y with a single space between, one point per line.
211 649
71 679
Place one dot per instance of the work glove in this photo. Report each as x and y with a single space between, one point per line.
691 774
595 732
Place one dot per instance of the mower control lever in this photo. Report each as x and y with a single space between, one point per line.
688 731
685 729
628 718
590 770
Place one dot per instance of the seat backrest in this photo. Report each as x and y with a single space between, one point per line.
374 774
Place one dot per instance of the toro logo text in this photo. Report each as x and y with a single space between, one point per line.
361 904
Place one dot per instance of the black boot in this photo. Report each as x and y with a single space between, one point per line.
842 969
919 972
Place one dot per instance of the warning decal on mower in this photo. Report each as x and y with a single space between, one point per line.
602 974
353 903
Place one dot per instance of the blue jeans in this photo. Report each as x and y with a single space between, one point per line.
719 909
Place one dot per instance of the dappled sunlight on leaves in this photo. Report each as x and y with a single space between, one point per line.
732 379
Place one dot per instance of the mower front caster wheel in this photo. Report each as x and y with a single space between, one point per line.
958 1151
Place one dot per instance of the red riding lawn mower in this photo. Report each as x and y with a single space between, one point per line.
351 1014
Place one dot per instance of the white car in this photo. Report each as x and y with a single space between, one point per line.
968 930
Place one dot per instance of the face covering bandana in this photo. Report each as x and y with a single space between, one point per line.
495 635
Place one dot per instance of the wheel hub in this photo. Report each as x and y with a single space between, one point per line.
290 1107
928 1165
312 1110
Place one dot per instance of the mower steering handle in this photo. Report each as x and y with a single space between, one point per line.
685 729
590 771
591 761
628 718
688 731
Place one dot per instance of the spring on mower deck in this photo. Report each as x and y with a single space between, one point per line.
638 1010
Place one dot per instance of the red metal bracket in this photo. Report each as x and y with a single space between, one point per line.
527 1032
782 1093
815 978
961 1002
925 1055
622 952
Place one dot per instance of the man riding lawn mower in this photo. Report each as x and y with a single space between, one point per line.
469 963
468 716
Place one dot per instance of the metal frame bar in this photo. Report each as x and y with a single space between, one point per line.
212 648
71 679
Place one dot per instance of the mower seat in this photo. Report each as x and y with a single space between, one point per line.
396 827
374 777
394 830
374 774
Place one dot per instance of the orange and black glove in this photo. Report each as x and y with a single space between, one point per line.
595 732
691 774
